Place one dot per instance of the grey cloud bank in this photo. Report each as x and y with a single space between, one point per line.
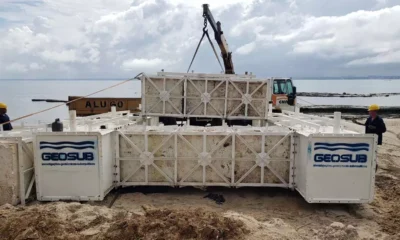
104 38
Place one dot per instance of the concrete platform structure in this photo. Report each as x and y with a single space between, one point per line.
323 159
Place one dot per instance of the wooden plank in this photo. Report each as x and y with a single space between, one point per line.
91 106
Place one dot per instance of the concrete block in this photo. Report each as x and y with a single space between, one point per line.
204 157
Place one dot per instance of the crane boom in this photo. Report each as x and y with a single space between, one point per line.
219 37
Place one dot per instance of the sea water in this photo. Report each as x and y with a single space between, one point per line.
18 94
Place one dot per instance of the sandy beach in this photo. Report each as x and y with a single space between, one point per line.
247 213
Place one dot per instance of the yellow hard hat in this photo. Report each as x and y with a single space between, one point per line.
3 105
373 107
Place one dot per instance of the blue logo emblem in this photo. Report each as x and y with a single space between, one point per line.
352 147
61 158
62 145
353 159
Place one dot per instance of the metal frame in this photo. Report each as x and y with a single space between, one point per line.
290 122
263 159
163 97
198 75
310 124
146 159
204 157
204 96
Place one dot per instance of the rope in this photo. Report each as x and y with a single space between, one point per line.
62 104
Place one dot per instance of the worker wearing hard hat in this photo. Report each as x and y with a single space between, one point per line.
374 123
4 119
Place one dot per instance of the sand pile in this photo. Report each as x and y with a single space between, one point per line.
274 228
388 202
54 221
337 231
80 221
177 224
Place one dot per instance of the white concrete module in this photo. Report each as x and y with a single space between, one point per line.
74 165
17 169
197 156
335 168
205 95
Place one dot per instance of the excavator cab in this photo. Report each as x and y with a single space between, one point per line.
283 93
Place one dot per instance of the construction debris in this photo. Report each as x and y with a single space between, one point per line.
218 198
81 221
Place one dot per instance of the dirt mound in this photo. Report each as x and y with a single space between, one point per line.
52 221
387 201
337 231
80 221
274 228
177 224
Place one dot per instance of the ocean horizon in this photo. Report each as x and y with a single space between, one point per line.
125 78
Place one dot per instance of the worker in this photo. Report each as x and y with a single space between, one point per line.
374 124
4 118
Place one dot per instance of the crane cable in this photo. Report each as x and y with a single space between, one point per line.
62 104
205 32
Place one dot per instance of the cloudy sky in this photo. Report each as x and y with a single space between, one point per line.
118 39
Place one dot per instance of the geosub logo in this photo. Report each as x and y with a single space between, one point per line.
350 156
80 155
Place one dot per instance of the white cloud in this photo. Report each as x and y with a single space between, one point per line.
16 67
384 58
63 56
216 4
253 26
108 38
358 34
142 63
23 40
65 68
36 66
246 49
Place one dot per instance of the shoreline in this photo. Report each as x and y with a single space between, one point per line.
346 95
350 111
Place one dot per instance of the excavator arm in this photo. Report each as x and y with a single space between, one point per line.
219 37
